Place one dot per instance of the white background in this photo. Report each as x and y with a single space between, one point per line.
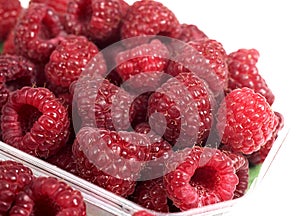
272 27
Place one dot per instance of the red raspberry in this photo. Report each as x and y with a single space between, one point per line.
140 105
9 12
14 176
259 156
64 159
204 57
59 6
149 18
151 194
185 105
244 73
191 32
4 92
9 44
241 165
159 152
96 19
142 213
245 120
35 122
199 177
110 159
38 32
143 65
49 196
17 70
102 104
70 58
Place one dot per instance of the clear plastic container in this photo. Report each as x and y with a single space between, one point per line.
104 203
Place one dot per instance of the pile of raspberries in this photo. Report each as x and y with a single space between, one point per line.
130 99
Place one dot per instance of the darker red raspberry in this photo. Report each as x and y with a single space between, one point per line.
184 105
9 12
9 44
245 120
70 58
149 18
206 58
64 159
259 156
34 121
151 194
96 19
38 32
143 66
17 70
59 6
49 196
140 105
243 72
199 177
191 32
14 176
110 159
102 104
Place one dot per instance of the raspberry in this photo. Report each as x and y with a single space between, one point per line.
151 194
110 159
259 156
159 152
245 120
199 177
17 70
241 166
206 58
243 72
191 32
38 32
59 6
149 18
48 196
35 122
9 12
143 65
69 59
140 105
102 104
14 176
185 105
96 19
9 44
142 213
64 159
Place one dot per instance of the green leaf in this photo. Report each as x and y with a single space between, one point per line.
253 173
1 47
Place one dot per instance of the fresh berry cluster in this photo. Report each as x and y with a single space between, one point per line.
24 194
131 99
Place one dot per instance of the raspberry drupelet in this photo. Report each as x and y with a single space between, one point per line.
34 121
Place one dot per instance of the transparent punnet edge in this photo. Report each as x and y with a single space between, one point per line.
102 202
